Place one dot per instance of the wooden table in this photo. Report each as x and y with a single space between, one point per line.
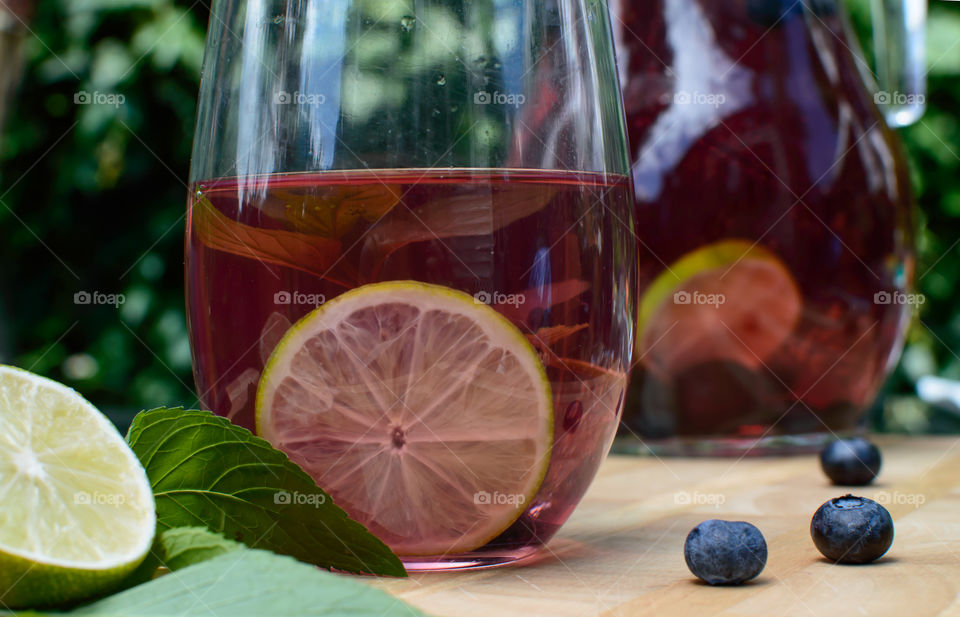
621 553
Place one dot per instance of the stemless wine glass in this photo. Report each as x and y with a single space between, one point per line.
410 258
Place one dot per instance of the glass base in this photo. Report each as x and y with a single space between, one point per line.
771 445
470 561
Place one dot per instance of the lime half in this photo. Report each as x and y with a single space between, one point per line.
77 512
423 412
731 300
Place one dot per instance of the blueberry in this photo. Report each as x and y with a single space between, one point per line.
725 552
850 462
852 529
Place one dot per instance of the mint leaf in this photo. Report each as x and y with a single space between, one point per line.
185 546
177 548
251 583
147 569
307 252
205 471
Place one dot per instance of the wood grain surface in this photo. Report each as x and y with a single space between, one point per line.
621 553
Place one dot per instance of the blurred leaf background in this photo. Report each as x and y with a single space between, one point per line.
92 198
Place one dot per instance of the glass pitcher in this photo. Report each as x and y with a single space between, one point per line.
410 258
774 214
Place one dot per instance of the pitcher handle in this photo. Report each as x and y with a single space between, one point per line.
899 43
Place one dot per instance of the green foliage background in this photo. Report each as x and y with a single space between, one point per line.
92 197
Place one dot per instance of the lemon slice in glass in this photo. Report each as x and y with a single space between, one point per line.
423 412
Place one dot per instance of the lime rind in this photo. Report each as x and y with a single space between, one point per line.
723 254
56 541
740 302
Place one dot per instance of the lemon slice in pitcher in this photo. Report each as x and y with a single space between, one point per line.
77 512
730 300
423 412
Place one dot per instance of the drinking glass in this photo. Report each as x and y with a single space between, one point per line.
476 147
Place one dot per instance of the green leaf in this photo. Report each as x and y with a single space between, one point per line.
250 582
147 569
943 28
177 548
185 546
205 471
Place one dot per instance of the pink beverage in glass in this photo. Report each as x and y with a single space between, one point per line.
264 251
774 207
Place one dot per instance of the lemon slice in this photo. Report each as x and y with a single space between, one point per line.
423 412
77 512
730 300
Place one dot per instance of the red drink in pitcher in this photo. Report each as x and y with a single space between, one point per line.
774 209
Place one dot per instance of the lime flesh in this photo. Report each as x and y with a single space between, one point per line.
77 512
